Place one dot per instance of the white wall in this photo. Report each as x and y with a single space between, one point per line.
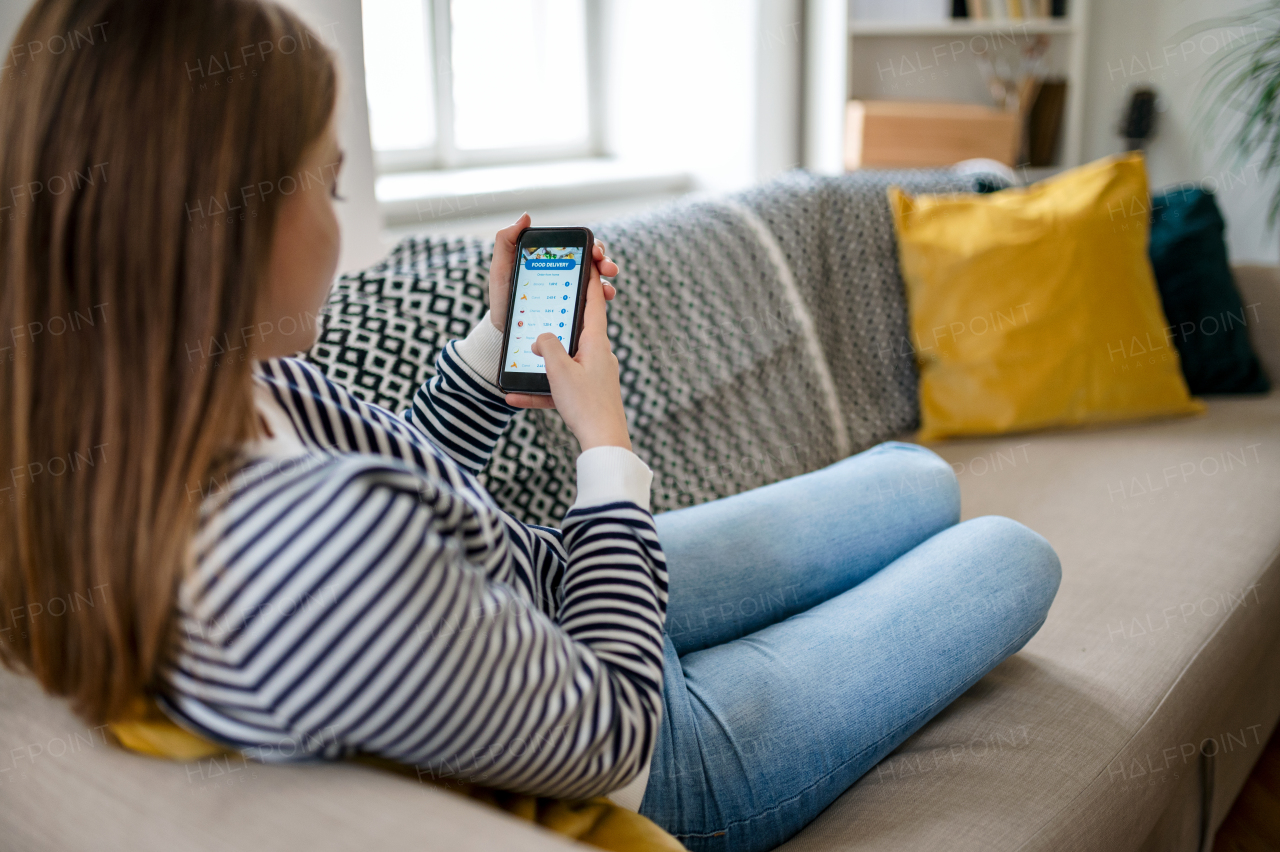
11 14
1136 42
709 86
779 92
338 23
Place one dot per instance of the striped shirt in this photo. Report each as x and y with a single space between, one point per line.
359 591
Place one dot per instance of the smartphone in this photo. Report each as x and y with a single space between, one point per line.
548 293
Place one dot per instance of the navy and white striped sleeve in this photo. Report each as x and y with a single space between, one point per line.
410 651
462 409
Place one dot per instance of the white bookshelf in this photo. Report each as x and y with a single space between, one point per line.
853 61
961 27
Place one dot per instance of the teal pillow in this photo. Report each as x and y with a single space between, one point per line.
1208 320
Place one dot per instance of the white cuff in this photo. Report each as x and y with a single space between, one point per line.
481 350
631 795
611 474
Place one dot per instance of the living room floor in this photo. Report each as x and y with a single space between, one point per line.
1253 825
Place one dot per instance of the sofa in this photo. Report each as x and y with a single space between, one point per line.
1129 722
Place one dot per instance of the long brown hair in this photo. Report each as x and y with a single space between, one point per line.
135 133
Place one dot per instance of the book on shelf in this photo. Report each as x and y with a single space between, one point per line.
900 11
1008 10
1044 123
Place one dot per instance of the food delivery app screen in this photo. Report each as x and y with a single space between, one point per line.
546 284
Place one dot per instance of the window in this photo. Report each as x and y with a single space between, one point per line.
455 83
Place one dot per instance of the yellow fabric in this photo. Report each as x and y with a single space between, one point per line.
596 822
1037 307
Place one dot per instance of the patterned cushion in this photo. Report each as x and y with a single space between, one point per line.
760 336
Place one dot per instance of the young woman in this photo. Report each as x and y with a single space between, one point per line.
276 562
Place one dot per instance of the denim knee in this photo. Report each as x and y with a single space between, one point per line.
920 467
1034 559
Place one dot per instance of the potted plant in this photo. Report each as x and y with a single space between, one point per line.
1241 89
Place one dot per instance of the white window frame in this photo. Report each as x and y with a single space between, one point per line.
445 155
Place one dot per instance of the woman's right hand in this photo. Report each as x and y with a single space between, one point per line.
585 388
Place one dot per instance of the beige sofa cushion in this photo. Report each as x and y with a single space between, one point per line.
1166 631
1260 289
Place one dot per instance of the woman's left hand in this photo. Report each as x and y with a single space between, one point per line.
504 255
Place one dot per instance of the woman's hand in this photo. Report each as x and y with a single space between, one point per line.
504 257
584 388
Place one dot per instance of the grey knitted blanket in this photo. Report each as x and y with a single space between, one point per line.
760 335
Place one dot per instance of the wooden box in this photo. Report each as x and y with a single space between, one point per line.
915 134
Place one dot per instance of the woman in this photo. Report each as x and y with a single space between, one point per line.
278 562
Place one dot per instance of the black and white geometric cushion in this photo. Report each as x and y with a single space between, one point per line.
759 336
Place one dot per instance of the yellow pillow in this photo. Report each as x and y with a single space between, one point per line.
594 822
1037 307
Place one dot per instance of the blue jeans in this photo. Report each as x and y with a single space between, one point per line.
816 623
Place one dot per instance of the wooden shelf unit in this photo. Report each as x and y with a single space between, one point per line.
833 42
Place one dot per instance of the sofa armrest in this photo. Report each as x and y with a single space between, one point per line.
1260 289
66 789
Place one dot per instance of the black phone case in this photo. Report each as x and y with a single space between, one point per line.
541 388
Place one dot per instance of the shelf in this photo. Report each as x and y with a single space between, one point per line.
962 27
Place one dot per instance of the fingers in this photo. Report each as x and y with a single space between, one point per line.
594 319
507 236
504 243
609 291
549 348
527 400
606 266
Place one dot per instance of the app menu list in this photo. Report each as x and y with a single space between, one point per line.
543 303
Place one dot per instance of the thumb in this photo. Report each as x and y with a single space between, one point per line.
551 351
504 245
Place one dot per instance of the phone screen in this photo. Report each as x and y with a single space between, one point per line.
545 290
546 287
